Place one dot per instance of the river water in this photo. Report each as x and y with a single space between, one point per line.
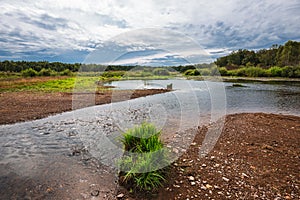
27 149
280 98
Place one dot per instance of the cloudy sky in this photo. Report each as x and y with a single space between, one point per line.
138 32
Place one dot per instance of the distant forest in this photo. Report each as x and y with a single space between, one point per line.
277 55
280 60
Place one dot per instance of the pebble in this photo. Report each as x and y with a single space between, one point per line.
120 196
175 150
225 179
245 175
216 187
203 165
193 183
191 178
203 187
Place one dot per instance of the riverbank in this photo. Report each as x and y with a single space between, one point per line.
256 157
23 106
245 79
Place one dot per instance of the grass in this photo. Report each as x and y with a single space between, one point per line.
155 74
50 84
140 165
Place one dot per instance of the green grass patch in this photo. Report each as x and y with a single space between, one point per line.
141 166
52 84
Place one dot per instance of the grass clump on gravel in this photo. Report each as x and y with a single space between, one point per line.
144 159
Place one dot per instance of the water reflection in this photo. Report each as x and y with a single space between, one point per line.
282 97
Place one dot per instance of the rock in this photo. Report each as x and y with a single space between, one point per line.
120 196
193 183
225 179
193 143
191 178
244 175
203 187
208 186
175 150
217 187
204 165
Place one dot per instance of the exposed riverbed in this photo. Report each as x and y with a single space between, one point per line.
78 150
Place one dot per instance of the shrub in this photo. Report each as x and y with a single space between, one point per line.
297 72
66 72
239 72
144 154
146 74
254 72
205 72
274 71
29 72
192 72
161 72
47 72
223 71
287 72
111 74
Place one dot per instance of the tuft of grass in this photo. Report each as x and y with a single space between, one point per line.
145 153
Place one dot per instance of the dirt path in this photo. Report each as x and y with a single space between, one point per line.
24 106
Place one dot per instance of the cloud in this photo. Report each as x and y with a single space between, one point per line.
149 46
61 27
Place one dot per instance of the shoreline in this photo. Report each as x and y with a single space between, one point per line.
256 156
245 79
25 106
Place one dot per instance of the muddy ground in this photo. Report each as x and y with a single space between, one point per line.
256 157
24 106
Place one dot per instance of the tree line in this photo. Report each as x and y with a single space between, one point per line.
18 66
279 60
278 55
